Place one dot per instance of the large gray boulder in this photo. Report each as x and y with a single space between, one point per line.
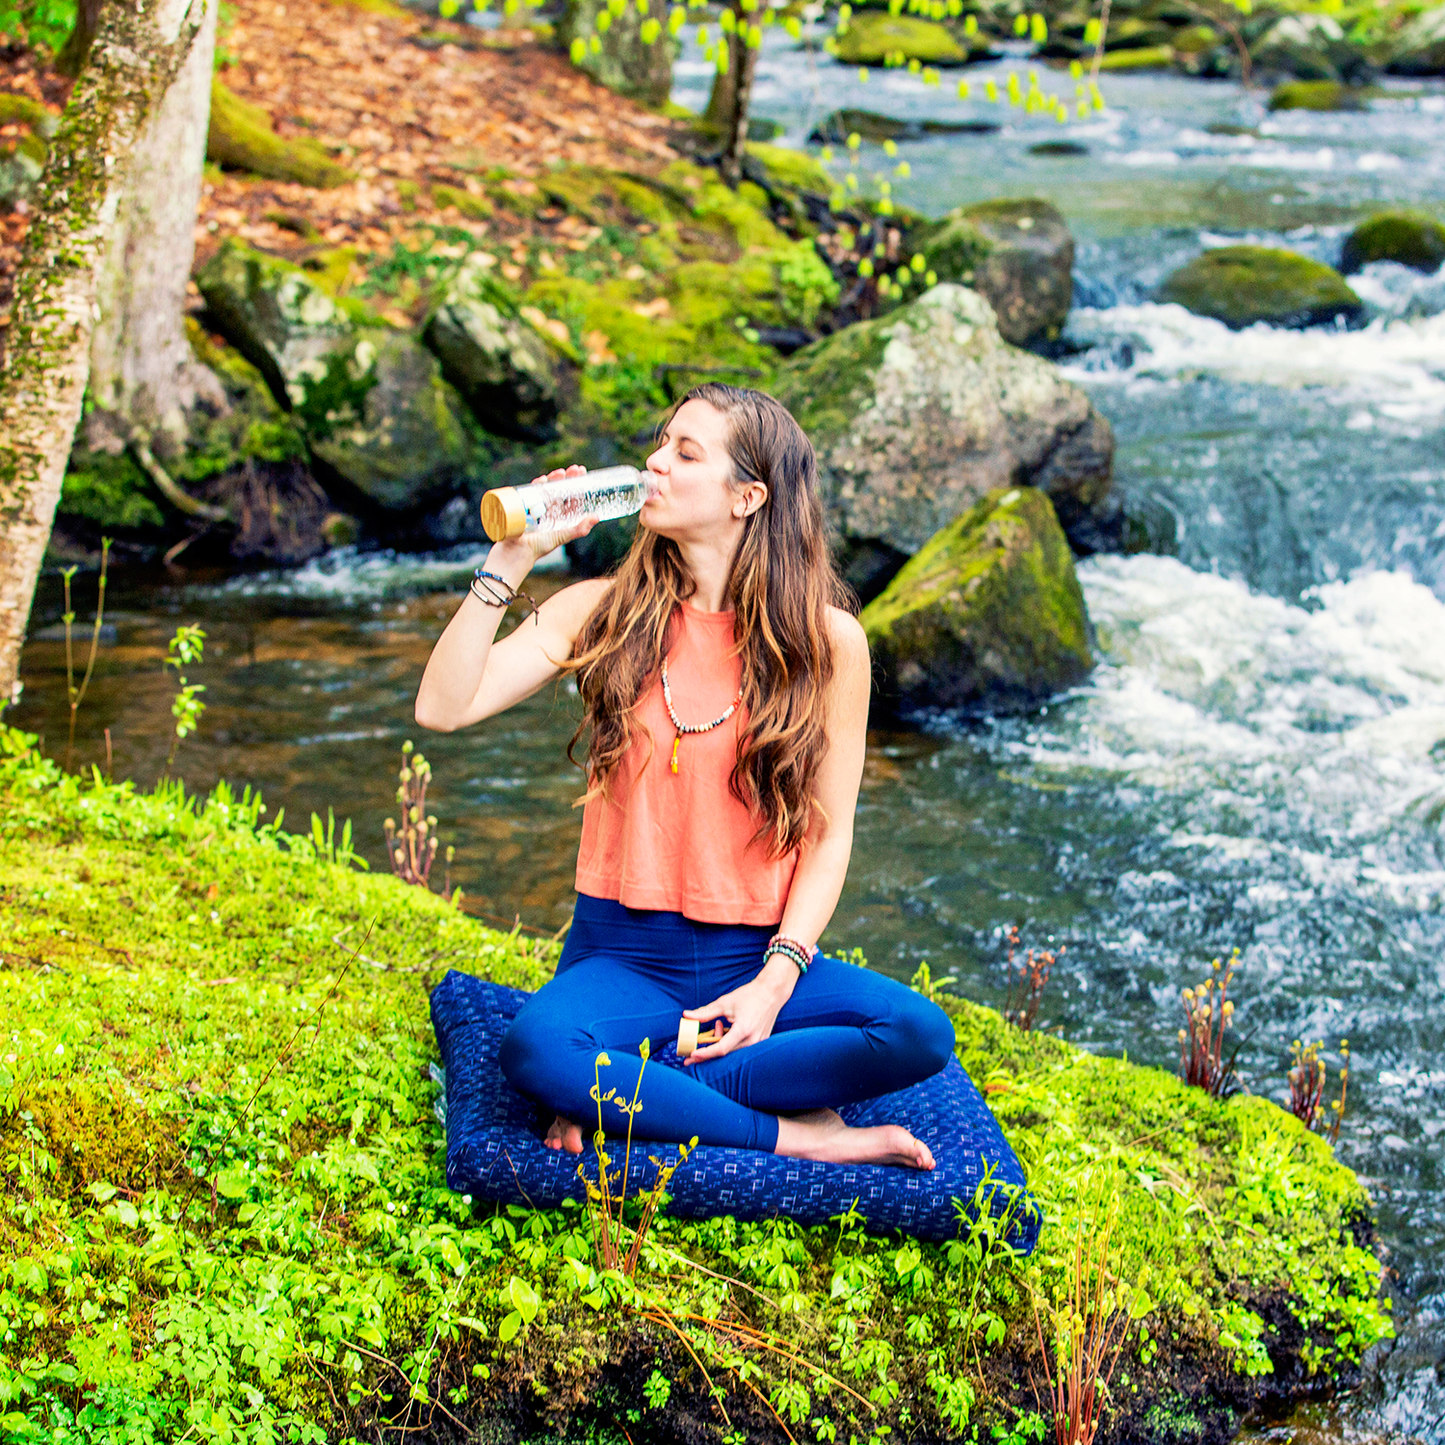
370 400
918 414
633 54
1018 253
1309 47
988 617
494 358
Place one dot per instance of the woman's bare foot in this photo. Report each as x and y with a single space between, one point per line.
822 1134
564 1134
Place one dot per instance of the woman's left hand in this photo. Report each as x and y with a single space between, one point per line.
751 1011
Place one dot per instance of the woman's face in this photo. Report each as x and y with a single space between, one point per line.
696 498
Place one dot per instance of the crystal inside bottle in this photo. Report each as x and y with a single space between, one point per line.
547 506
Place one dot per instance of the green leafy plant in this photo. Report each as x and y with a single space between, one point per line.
185 649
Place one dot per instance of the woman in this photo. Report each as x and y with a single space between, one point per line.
725 688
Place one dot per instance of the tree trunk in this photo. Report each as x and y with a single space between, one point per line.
138 50
72 57
733 93
141 366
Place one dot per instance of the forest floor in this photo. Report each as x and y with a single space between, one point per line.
407 103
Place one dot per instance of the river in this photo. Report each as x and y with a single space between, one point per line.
1249 767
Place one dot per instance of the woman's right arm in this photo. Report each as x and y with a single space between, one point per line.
469 676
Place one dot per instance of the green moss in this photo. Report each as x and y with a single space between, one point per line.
1412 238
872 37
196 1215
826 384
476 208
954 247
1151 57
988 613
21 110
1315 95
794 169
1240 285
241 138
408 193
110 492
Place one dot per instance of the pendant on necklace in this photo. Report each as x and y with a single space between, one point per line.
675 744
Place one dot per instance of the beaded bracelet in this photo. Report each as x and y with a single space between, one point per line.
482 583
798 953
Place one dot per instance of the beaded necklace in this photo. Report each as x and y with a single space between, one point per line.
683 727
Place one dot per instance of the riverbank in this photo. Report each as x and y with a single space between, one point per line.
227 1208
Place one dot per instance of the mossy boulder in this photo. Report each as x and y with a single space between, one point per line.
241 138
1018 253
378 415
371 401
634 52
1419 46
22 156
918 414
1144 57
1412 238
987 617
871 38
1240 285
498 362
1321 95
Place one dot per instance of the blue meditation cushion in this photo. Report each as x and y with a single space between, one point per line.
495 1149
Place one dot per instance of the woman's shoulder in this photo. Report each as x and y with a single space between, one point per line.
846 633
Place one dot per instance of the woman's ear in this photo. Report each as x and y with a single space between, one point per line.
749 500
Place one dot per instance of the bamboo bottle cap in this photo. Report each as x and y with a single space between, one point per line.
503 515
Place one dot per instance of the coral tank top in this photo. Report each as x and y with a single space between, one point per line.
681 841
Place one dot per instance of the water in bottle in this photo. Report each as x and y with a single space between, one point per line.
605 494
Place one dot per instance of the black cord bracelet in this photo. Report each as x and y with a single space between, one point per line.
482 579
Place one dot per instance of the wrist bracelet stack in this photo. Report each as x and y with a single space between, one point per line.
484 586
799 953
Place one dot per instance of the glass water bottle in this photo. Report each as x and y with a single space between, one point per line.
605 494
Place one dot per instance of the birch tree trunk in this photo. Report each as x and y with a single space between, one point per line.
141 366
139 49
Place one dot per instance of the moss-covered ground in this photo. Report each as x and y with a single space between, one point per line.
225 1216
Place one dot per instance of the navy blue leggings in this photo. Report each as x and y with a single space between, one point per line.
626 975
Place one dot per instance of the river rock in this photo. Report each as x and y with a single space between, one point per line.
1410 237
838 125
624 61
1018 253
1240 285
370 400
1321 95
871 37
917 414
1419 48
495 359
987 617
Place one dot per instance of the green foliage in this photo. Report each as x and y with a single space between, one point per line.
225 1216
41 22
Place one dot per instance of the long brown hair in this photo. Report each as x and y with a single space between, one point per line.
781 585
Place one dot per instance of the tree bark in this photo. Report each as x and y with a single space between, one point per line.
73 54
732 94
138 50
141 366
